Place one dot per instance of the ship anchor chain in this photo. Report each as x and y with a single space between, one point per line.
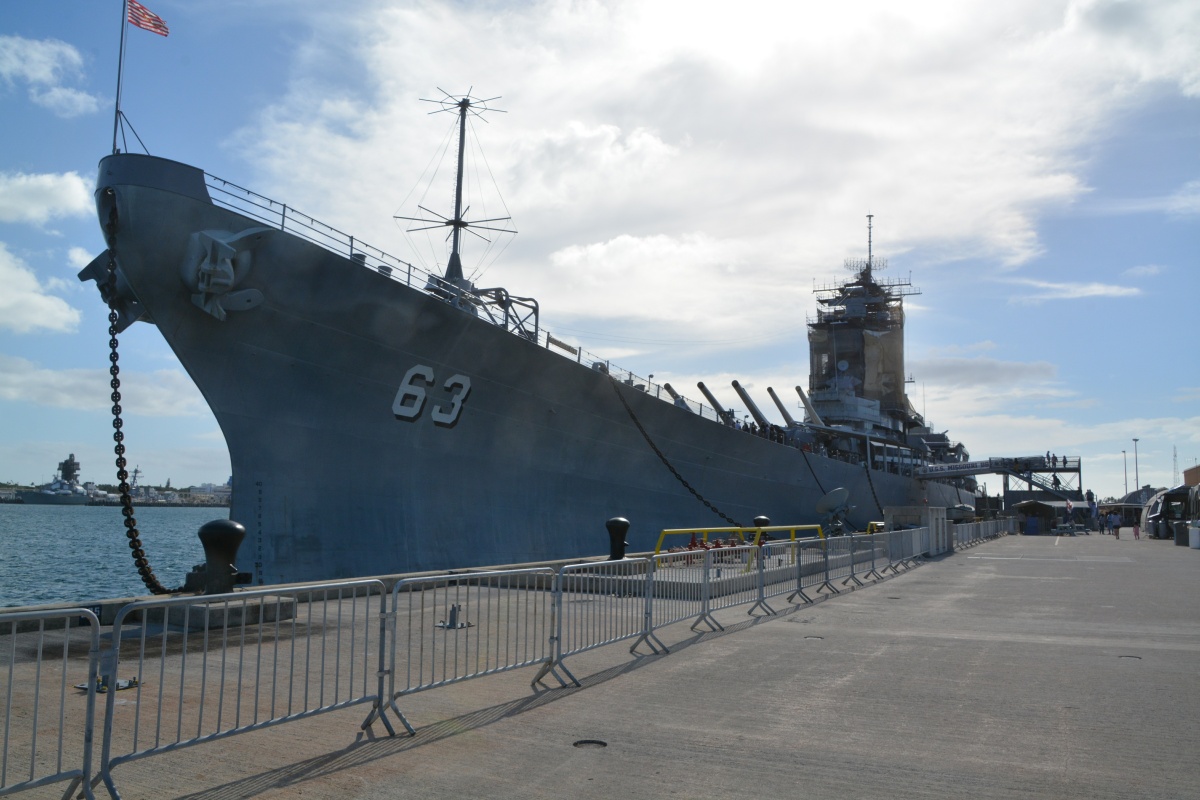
131 531
667 463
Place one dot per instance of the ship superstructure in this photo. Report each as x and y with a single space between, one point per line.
856 367
64 489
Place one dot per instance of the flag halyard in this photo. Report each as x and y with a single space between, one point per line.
142 17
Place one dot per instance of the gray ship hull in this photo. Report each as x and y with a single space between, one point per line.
35 498
523 460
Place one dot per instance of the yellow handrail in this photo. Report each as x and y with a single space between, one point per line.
740 533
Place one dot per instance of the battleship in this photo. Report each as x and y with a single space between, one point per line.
381 419
63 490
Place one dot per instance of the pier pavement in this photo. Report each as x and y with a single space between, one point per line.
1027 667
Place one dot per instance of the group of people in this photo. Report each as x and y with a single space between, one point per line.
772 432
1111 523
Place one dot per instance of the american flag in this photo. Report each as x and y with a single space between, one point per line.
143 18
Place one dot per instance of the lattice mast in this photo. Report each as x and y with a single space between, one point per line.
462 106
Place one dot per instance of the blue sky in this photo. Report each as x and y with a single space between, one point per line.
680 175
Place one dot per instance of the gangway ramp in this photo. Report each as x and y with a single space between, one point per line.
1056 475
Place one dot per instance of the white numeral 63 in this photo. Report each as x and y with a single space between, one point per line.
410 397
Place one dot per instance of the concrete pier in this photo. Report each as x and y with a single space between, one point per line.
1047 667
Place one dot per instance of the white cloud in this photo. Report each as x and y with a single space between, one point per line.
956 373
1186 201
1183 202
38 198
632 124
1043 291
24 304
162 393
65 102
79 258
1143 271
1155 40
45 65
1187 394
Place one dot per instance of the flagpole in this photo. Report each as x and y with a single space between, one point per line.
120 70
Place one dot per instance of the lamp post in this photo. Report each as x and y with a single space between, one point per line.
1125 461
1137 480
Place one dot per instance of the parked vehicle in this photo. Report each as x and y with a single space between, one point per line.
1169 508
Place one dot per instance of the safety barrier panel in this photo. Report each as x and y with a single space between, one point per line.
732 578
969 534
812 566
783 570
214 666
37 711
596 604
449 628
677 588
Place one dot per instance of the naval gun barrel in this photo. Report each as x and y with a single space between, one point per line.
671 391
754 412
782 409
721 412
812 412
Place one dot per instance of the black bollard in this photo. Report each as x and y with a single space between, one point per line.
221 539
761 522
617 528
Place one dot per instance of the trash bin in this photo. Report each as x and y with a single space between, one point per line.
1194 537
1181 534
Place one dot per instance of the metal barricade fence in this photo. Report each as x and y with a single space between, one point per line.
203 668
41 724
782 568
677 588
209 667
922 542
812 565
899 546
449 628
596 604
731 577
876 556
838 549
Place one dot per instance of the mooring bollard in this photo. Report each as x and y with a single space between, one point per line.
221 539
617 528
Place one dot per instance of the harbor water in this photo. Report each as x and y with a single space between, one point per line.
73 554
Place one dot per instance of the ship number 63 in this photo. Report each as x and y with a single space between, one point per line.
410 397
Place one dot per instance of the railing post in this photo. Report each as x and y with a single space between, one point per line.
706 596
648 636
852 578
762 585
874 573
826 584
386 670
798 550
552 666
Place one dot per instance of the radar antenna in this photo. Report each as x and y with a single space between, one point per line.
863 267
467 104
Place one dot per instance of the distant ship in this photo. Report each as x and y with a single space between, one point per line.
380 419
64 490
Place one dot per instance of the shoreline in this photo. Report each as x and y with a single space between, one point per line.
117 504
